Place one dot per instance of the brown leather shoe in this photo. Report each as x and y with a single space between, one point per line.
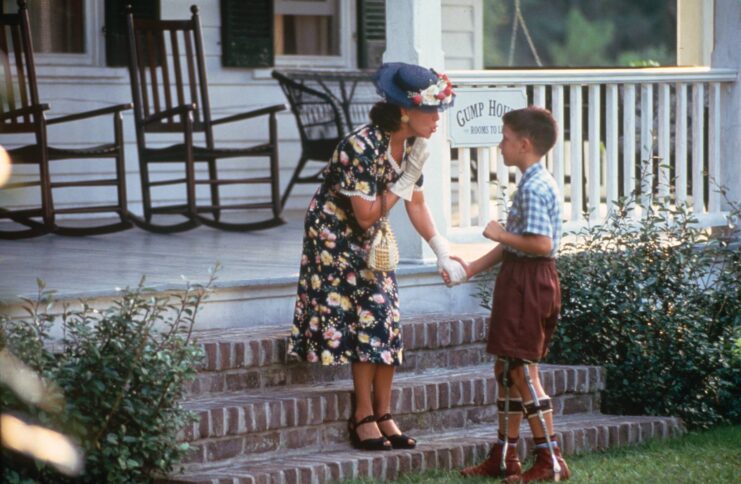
490 467
542 469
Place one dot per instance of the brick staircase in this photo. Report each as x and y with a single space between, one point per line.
263 420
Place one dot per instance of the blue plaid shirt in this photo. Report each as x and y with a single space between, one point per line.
536 208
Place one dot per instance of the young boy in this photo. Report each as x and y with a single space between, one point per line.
527 301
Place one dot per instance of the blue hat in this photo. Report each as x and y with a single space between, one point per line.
413 86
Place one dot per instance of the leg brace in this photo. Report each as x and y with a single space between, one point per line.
539 412
506 384
507 405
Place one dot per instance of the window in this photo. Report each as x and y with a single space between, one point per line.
306 27
62 31
316 32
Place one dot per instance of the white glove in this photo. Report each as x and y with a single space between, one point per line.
404 186
455 270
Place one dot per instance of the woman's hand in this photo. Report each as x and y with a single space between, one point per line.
418 155
455 272
404 186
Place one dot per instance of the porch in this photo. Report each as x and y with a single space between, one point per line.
256 284
667 132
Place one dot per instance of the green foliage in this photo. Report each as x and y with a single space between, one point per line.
657 303
638 29
652 56
122 372
585 43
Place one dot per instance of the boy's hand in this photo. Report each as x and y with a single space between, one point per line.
494 231
460 276
465 265
453 272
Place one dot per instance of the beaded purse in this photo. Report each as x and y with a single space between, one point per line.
384 252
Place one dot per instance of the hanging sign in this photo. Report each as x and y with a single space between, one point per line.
476 117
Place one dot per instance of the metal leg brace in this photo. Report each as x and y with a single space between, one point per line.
506 384
541 418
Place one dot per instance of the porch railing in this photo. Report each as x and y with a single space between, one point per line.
651 132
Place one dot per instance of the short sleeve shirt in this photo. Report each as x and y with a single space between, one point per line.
536 208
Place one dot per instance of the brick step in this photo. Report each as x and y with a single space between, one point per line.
452 449
240 359
283 419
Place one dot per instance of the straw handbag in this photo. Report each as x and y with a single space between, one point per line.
384 252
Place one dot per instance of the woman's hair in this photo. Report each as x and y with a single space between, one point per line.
534 123
386 116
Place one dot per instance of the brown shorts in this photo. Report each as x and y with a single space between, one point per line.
525 308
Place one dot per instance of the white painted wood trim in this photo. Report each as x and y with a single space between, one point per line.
593 173
715 183
482 176
576 153
592 76
698 157
464 187
629 140
502 187
611 144
558 149
680 143
647 144
664 136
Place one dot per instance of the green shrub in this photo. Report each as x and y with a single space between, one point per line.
121 371
657 303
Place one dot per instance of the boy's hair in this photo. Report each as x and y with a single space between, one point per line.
534 123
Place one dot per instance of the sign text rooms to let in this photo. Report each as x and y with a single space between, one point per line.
476 117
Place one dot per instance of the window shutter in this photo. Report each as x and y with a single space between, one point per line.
116 36
371 32
247 33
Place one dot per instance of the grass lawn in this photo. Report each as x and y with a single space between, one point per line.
713 456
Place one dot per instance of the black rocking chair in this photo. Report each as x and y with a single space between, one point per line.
21 112
170 94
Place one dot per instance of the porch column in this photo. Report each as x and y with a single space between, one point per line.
725 55
694 32
414 35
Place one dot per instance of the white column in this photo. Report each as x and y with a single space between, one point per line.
725 54
414 35
695 31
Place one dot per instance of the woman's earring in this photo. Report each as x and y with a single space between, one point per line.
404 118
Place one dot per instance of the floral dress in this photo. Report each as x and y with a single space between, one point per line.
346 312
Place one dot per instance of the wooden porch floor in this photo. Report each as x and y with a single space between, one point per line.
97 265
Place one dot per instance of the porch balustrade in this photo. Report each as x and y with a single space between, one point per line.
654 132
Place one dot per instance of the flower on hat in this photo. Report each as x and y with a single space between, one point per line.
436 94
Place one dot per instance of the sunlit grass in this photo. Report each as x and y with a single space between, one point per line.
713 456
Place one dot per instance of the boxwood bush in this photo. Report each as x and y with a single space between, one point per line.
656 301
121 373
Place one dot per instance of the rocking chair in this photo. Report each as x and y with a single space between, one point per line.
21 112
170 93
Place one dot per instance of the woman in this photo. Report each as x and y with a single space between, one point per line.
345 312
